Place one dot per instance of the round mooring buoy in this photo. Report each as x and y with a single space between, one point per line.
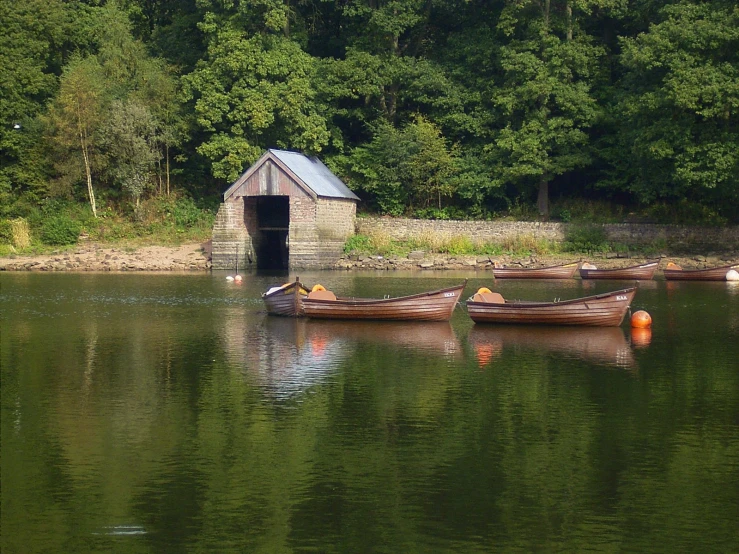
238 278
641 320
229 278
732 275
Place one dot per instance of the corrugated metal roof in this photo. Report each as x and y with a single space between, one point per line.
314 174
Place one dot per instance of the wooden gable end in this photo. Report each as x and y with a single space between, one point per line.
269 177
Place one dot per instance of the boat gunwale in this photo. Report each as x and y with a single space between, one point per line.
701 271
586 273
284 288
351 301
535 304
548 272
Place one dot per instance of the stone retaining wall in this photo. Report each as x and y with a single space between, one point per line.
673 238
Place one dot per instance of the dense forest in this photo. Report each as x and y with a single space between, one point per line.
429 108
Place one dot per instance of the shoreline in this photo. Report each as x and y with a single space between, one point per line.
93 257
196 257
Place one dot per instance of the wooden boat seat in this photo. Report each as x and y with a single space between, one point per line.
321 295
489 298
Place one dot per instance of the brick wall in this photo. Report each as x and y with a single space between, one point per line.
317 232
231 241
335 218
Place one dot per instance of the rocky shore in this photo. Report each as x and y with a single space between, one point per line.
197 257
420 260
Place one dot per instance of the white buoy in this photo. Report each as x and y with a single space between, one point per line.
237 278
732 275
229 278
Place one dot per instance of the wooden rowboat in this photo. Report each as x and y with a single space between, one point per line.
643 272
435 305
286 300
709 274
601 310
565 271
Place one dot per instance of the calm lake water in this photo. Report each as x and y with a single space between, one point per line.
168 413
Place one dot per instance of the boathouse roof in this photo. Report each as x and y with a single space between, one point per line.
310 173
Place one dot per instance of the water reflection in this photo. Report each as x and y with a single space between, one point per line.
437 338
599 345
285 358
139 415
641 338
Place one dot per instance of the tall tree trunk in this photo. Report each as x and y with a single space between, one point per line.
86 157
542 201
167 162
286 28
569 20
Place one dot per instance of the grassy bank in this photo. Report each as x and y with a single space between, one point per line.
57 225
581 239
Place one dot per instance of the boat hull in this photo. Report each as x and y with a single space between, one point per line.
602 310
553 272
643 272
287 301
426 306
710 274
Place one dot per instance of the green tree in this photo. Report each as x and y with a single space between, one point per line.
679 131
253 89
407 168
544 96
129 138
160 93
35 35
74 119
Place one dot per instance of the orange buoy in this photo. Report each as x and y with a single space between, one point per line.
641 320
641 337
672 265
483 290
317 287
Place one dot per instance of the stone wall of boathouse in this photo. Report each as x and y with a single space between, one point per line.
232 245
317 233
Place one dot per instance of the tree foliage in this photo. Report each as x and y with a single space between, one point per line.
680 105
464 106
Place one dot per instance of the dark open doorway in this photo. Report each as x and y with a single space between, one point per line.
273 216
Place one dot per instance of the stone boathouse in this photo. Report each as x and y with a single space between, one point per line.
286 211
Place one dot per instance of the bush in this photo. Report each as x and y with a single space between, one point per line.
20 233
60 230
6 231
359 244
588 238
459 244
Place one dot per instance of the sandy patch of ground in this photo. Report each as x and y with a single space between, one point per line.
95 257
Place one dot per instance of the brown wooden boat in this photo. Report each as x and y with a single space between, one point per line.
564 271
643 272
286 300
708 274
436 305
602 310
598 345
